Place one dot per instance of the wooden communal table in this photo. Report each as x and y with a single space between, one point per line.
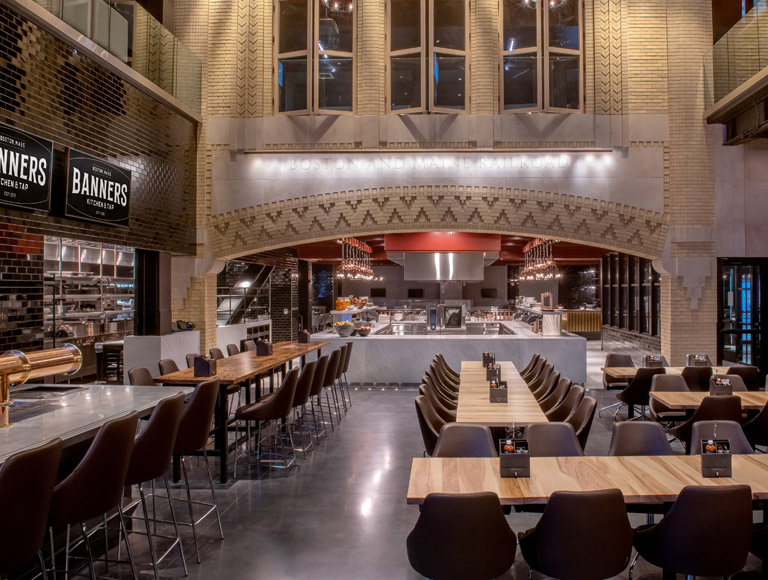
628 373
239 369
641 479
474 404
690 400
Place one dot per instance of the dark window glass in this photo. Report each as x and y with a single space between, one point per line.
292 83
336 25
449 81
520 82
415 292
519 24
406 24
564 24
335 83
564 76
406 81
449 24
293 25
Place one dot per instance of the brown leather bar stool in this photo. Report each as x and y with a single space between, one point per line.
217 354
191 438
140 376
338 385
95 487
168 366
580 535
150 457
300 399
26 482
232 350
328 383
347 359
314 397
459 536
276 407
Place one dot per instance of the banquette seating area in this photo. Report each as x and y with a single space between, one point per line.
587 534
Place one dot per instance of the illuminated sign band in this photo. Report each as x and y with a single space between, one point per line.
97 190
25 169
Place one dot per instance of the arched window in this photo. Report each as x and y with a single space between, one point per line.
542 55
314 62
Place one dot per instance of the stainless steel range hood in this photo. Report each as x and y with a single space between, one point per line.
443 267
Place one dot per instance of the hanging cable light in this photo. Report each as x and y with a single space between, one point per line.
355 260
539 260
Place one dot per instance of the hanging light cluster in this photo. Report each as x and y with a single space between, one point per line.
355 260
539 261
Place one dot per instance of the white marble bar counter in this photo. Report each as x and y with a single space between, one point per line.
403 359
80 414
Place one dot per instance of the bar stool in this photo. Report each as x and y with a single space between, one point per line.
339 371
300 399
276 408
314 396
192 437
347 358
168 366
150 457
232 350
328 383
140 376
95 487
26 481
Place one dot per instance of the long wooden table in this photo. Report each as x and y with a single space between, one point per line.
641 479
689 400
474 404
628 373
237 369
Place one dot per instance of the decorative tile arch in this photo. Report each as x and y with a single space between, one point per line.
524 212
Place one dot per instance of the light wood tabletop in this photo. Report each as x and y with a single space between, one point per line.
641 479
474 404
686 400
627 373
245 365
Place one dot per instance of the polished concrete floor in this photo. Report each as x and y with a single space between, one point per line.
342 513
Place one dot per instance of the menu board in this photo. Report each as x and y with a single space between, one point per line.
26 163
96 190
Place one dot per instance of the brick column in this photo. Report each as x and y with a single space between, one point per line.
200 307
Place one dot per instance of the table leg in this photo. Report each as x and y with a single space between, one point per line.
630 411
176 469
303 359
220 433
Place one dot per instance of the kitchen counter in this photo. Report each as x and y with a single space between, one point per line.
387 358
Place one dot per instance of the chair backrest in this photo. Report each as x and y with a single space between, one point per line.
615 359
152 449
547 386
582 535
461 536
167 366
711 408
448 401
442 376
669 383
429 433
566 407
232 349
195 423
639 388
216 354
556 396
541 378
446 367
445 413
703 516
697 378
140 376
658 361
249 345
581 419
96 485
191 359
730 430
756 430
304 384
528 377
318 380
553 440
348 357
749 374
703 360
530 364
736 382
343 350
639 438
26 482
465 440
332 369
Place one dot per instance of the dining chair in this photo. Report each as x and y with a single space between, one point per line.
553 440
711 408
429 424
749 374
730 430
614 359
444 412
562 411
465 440
232 349
756 429
167 366
697 377
547 386
557 395
641 438
216 354
638 391
657 410
140 376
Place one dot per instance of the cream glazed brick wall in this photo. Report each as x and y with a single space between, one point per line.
484 63
647 68
201 295
684 330
371 57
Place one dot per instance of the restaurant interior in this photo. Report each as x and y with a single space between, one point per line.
383 289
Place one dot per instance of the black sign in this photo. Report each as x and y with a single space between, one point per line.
25 169
97 190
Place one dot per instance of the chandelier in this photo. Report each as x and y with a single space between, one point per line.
355 260
539 261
